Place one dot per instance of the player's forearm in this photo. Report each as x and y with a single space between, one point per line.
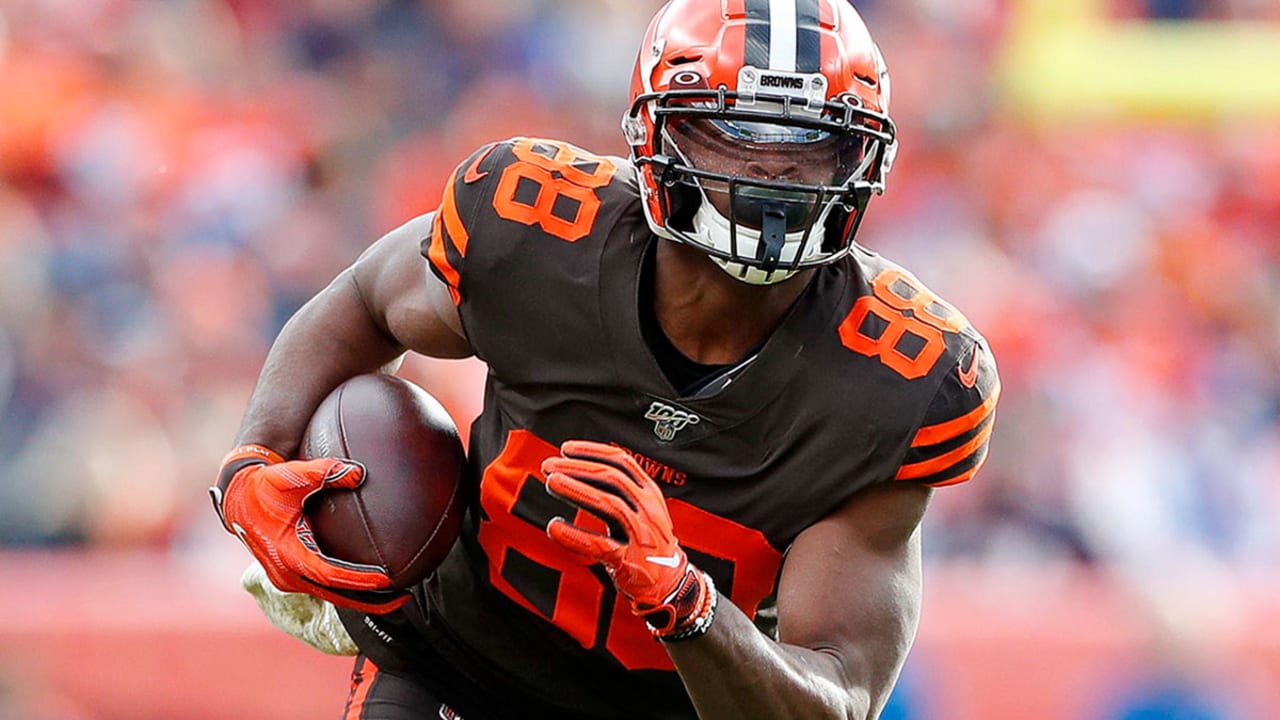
734 671
330 339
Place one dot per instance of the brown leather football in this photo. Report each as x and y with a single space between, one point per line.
408 511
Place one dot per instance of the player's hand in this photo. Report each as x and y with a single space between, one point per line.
259 497
640 552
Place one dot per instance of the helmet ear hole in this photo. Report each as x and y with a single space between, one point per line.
842 224
684 200
834 228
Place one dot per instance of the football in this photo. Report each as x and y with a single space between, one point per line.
408 511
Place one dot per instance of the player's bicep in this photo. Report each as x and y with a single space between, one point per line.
850 586
405 298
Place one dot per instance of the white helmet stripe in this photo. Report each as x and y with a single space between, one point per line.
782 35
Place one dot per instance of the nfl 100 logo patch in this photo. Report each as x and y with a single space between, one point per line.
668 420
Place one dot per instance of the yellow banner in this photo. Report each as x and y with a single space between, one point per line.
1066 59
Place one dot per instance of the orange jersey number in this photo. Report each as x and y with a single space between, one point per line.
906 333
553 185
535 572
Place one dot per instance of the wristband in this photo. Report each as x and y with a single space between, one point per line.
699 622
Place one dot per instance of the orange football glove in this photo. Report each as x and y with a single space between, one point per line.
640 553
259 498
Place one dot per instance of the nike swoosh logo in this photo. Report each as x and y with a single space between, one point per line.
969 378
473 172
671 562
240 535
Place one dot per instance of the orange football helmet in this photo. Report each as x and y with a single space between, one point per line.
759 130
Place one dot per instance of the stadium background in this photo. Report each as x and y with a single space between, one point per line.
1096 183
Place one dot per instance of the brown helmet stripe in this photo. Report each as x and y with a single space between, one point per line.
758 42
808 39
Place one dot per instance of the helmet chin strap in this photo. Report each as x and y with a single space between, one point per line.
772 246
773 235
751 275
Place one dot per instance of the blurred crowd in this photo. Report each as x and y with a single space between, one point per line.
177 177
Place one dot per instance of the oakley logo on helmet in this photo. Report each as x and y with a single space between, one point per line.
667 420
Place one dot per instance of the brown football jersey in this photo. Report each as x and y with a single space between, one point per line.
871 378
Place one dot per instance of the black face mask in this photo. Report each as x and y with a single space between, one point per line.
754 206
774 213
771 212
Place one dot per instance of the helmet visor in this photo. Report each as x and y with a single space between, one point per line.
769 151
763 133
767 176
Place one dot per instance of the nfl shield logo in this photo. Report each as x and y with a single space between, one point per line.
667 420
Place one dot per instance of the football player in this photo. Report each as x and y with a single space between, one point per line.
712 421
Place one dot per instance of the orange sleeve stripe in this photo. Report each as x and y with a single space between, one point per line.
440 260
946 460
452 220
951 429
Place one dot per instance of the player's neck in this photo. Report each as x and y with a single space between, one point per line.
709 316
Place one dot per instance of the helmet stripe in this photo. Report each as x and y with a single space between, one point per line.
758 39
782 35
808 39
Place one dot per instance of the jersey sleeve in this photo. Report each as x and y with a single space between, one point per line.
951 442
445 248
